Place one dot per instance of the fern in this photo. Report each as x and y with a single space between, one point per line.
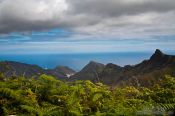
30 109
48 97
44 110
167 106
9 94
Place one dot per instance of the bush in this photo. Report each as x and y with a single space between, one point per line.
48 96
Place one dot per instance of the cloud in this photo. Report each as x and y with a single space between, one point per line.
90 18
30 15
114 8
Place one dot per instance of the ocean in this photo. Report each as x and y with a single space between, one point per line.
78 61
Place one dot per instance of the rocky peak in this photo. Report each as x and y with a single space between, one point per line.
158 52
93 65
157 55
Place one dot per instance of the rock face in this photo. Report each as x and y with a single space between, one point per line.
144 73
10 68
89 72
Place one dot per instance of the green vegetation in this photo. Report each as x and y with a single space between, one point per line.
47 96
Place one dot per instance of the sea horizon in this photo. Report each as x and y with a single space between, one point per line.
77 61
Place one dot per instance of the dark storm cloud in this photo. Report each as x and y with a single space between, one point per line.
10 25
113 8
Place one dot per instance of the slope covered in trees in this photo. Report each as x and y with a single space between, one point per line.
47 96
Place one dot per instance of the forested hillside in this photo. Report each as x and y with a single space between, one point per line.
47 96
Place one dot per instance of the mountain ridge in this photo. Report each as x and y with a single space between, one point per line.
145 72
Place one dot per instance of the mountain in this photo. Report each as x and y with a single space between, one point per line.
111 73
11 68
61 71
144 73
151 70
89 72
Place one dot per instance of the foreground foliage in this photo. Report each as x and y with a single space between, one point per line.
50 97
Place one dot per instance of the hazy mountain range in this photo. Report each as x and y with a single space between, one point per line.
144 73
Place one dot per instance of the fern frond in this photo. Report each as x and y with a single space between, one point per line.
168 106
9 94
30 109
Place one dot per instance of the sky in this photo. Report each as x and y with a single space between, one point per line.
86 26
